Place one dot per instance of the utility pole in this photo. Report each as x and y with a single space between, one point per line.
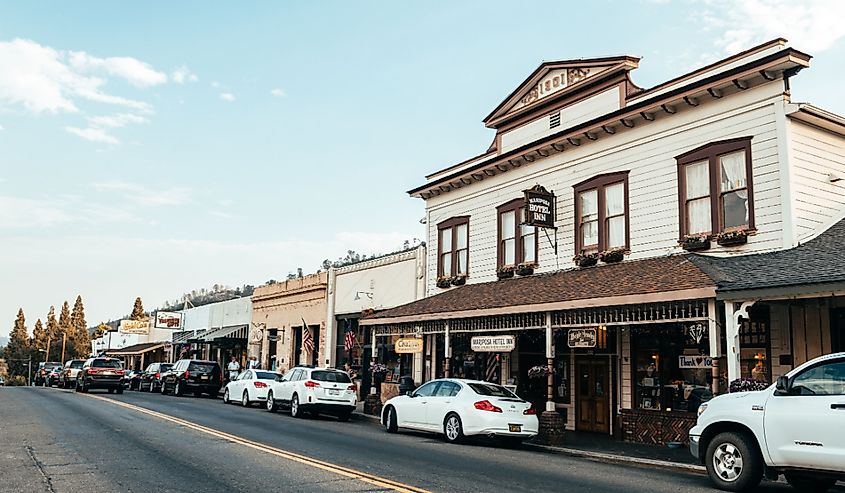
29 371
47 356
64 341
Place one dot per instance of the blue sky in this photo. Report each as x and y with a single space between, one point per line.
149 149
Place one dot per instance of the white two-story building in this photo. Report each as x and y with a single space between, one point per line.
566 243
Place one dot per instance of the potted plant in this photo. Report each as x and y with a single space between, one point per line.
505 272
525 268
539 371
747 385
692 243
444 282
613 255
585 259
731 238
459 280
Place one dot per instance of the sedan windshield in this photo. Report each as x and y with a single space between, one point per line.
330 376
491 390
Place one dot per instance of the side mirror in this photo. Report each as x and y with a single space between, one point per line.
782 385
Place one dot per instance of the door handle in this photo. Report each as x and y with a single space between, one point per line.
837 406
424 402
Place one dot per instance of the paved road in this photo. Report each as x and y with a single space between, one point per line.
54 440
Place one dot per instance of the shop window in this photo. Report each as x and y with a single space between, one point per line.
352 342
601 213
754 345
517 241
715 188
453 247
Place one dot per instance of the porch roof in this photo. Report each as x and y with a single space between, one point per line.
628 282
136 349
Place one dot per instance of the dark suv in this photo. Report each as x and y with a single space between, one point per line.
43 371
151 377
101 373
191 375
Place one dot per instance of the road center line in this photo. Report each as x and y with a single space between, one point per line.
302 459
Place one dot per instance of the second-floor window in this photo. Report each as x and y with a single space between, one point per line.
517 242
714 188
601 213
453 247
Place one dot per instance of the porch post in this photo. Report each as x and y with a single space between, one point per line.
732 324
550 357
714 334
551 422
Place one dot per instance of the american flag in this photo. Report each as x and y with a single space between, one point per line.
348 339
307 340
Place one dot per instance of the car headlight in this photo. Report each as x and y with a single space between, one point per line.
702 408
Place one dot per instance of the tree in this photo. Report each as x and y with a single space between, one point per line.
100 330
18 349
52 333
39 338
80 346
138 310
64 333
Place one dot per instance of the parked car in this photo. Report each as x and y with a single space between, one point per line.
69 373
191 375
250 386
314 391
132 379
151 377
460 408
54 377
101 373
795 427
44 370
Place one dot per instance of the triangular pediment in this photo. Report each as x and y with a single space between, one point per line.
555 78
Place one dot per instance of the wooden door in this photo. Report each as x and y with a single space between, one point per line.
593 396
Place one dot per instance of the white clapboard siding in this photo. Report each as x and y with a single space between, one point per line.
648 151
815 154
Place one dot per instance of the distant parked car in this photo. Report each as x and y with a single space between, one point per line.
54 377
69 373
101 373
151 377
250 386
191 375
459 408
2 382
44 370
132 379
315 391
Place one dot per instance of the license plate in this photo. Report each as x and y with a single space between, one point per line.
334 392
108 373
515 428
204 377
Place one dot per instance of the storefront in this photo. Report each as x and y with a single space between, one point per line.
139 356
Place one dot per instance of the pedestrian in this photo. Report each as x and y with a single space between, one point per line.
233 367
253 363
348 369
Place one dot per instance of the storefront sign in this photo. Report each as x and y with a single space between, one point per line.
168 320
408 346
256 336
493 344
539 207
134 327
687 362
580 338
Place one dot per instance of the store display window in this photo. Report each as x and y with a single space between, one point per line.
754 345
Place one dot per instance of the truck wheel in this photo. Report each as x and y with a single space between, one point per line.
809 484
733 462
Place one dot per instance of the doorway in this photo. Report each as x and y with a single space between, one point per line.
593 395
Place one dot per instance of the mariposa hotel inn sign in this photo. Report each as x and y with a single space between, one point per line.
539 207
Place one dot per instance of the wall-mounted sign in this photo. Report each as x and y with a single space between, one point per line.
408 345
134 327
580 338
256 336
493 344
168 320
687 362
539 207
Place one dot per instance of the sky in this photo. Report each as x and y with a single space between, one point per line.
153 148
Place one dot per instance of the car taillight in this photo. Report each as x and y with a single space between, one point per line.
487 406
91 371
187 374
121 372
260 385
530 410
158 375
311 384
352 387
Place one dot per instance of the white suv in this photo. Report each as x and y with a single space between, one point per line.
314 390
795 428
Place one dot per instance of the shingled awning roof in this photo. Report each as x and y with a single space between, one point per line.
637 281
144 347
816 265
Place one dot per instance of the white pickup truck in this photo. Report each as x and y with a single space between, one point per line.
796 427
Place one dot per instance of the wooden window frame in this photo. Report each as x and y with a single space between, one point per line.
599 183
452 224
514 205
711 153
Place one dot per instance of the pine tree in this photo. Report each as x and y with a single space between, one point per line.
39 338
65 330
52 334
81 341
138 310
17 349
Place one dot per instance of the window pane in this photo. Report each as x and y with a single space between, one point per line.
698 180
589 233
589 205
614 199
828 379
698 216
616 232
460 236
446 240
735 205
733 171
508 220
462 261
528 246
446 262
509 254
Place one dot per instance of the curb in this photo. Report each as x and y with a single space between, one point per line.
366 417
619 459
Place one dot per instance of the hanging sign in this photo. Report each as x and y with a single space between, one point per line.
168 320
688 362
408 345
493 344
581 338
135 327
256 336
539 207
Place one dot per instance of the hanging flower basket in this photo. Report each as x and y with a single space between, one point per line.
505 272
444 282
732 238
459 280
747 385
586 259
539 371
378 368
611 256
525 269
693 243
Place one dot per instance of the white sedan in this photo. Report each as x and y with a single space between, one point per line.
459 408
250 386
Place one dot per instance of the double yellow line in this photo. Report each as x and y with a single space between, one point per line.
302 459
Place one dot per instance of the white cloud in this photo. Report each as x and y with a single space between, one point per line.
215 84
144 196
227 96
93 134
116 121
183 74
278 92
29 213
1 128
132 70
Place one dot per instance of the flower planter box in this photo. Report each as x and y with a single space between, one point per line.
586 261
504 274
732 239
459 280
525 270
612 257
695 243
443 283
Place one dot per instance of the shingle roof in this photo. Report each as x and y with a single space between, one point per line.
635 277
815 262
136 348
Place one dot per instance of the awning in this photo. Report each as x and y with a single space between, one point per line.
186 336
136 349
232 333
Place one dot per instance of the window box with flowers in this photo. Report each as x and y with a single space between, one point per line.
459 280
444 282
612 256
585 259
732 238
505 272
526 268
692 243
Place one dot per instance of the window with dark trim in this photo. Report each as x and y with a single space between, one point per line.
715 192
601 213
517 242
453 247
